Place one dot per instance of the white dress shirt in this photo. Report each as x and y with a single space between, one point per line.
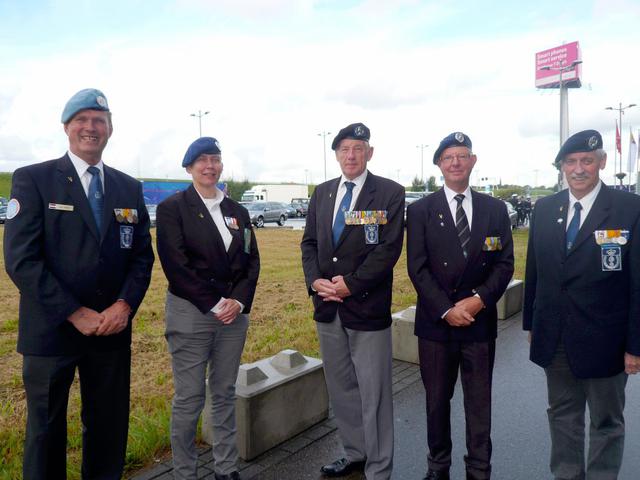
467 204
586 202
213 207
342 190
81 168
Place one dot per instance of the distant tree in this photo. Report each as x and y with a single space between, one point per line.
235 188
417 185
431 184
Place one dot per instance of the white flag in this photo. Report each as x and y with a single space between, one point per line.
633 153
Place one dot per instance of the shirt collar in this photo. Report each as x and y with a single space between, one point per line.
359 180
587 201
212 202
81 166
450 194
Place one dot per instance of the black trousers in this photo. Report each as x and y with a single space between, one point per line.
104 389
439 365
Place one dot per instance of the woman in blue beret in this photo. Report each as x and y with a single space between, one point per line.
210 257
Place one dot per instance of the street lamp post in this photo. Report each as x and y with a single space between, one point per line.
422 146
200 114
324 134
620 109
564 106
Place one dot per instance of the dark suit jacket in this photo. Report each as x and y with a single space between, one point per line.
367 268
193 256
59 262
442 276
569 296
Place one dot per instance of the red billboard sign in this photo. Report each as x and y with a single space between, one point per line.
557 64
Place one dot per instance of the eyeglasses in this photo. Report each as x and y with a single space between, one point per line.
463 157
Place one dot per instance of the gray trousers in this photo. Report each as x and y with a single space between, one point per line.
568 397
197 342
357 368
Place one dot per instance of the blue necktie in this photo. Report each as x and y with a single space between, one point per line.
96 197
574 226
338 224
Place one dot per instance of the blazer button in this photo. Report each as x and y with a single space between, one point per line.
445 263
335 259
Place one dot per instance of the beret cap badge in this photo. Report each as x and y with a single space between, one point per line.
593 142
459 136
359 131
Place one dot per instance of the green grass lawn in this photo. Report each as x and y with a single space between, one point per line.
281 318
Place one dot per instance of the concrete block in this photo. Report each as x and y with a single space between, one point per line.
404 342
276 399
511 301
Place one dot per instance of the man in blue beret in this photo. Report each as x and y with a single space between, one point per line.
460 261
352 240
77 246
582 309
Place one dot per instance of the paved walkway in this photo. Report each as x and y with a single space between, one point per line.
520 430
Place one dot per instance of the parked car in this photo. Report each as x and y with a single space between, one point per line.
264 212
290 209
3 213
301 208
513 215
410 197
151 208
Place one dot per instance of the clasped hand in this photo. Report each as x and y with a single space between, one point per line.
334 290
112 320
463 312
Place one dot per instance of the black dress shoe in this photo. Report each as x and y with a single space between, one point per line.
342 467
435 475
231 476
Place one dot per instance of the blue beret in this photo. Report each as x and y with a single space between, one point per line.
455 139
356 131
585 141
89 98
202 145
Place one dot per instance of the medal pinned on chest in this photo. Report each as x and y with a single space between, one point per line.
611 243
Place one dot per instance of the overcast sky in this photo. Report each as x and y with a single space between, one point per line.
275 73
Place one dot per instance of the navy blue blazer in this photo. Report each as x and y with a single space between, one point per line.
367 268
59 262
193 255
440 273
596 312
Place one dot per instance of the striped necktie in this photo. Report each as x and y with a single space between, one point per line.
462 224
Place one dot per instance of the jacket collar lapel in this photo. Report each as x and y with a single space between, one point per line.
237 236
68 177
202 215
598 214
366 196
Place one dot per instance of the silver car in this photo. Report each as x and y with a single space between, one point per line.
265 212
